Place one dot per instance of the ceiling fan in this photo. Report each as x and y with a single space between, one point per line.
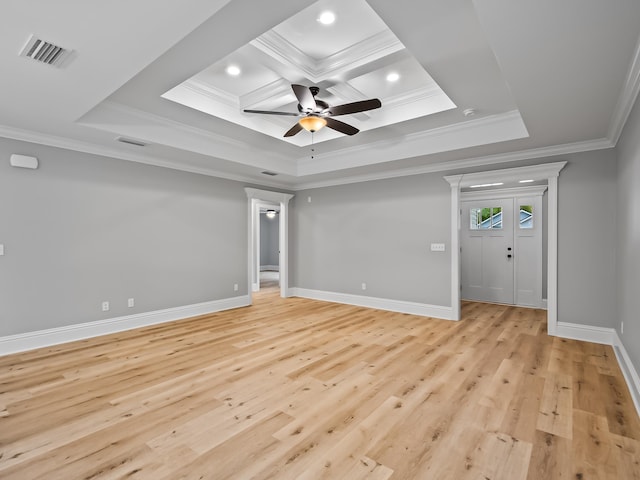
316 113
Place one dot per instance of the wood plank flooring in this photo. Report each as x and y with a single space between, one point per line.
301 389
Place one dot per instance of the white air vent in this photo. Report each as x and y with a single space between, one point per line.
45 52
130 141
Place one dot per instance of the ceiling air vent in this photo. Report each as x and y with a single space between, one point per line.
271 174
44 52
130 141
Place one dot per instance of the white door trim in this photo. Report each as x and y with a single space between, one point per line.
542 172
255 196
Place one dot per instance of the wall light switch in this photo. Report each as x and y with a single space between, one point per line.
437 247
1 249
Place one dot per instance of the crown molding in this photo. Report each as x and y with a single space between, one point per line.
284 52
150 127
270 91
627 98
497 159
93 149
211 92
481 131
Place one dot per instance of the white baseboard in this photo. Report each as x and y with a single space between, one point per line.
54 336
628 370
423 309
606 336
585 333
269 268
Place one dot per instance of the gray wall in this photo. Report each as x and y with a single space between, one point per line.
269 240
587 239
82 229
628 245
377 233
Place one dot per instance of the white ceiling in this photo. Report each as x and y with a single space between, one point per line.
543 77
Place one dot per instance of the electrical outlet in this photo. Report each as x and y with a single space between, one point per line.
1 249
131 303
308 199
105 306
235 287
364 286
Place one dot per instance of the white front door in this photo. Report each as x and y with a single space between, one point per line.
487 251
501 247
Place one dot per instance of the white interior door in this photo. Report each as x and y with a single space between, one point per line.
487 250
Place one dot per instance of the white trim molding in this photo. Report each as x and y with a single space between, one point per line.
585 333
628 370
606 336
71 333
269 268
548 172
400 306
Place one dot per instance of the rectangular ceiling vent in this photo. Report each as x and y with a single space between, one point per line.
271 174
44 52
130 141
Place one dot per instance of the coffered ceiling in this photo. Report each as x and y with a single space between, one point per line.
476 82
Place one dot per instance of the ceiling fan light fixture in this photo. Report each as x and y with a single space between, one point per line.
312 123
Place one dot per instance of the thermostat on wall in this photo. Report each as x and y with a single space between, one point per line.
23 161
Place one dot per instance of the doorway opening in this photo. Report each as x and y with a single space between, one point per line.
501 246
265 199
548 172
269 250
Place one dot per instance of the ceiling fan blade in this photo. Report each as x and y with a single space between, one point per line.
304 96
269 112
355 107
293 130
341 126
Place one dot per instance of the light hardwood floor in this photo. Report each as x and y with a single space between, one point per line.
300 389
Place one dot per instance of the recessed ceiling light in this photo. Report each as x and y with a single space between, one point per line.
526 181
487 185
233 70
393 77
327 18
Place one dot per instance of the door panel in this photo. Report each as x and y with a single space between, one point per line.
528 247
486 235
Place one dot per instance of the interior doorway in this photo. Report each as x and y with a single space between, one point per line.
542 172
269 251
257 200
501 246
